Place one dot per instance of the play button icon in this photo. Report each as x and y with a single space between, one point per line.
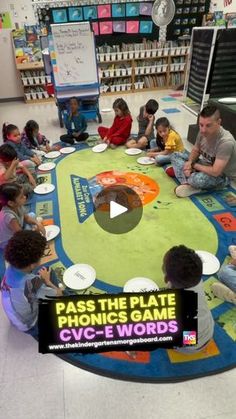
118 209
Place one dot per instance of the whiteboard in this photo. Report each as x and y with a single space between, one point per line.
73 54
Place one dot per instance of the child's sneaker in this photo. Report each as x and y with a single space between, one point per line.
224 293
232 251
183 191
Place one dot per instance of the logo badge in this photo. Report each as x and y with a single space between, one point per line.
190 338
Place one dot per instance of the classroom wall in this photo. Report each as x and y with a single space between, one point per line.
21 12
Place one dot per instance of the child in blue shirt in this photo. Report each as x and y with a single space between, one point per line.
75 124
21 287
11 135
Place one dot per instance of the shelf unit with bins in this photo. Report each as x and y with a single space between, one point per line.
142 70
34 81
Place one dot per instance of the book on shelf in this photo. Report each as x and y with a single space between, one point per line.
230 20
27 45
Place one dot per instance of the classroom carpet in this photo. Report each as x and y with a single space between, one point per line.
203 222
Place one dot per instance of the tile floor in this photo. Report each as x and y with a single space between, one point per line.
35 386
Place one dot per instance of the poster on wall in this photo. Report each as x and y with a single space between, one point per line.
59 16
75 14
90 12
5 20
132 9
104 11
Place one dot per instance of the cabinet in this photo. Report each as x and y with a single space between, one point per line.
35 82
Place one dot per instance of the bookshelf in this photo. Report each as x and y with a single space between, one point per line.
29 63
35 82
136 68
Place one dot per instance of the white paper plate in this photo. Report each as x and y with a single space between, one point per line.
67 150
52 154
210 263
140 285
227 100
47 166
99 148
146 160
52 231
79 276
44 188
133 151
106 110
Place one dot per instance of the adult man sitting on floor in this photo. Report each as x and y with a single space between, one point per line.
212 161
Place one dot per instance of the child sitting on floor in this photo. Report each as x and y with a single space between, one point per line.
167 142
183 269
11 135
11 170
226 289
13 216
75 124
146 120
21 288
35 141
121 127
